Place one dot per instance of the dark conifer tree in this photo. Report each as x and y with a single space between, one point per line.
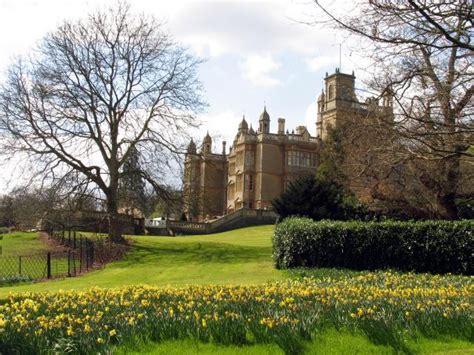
132 185
316 199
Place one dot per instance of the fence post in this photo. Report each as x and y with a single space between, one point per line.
69 263
92 254
19 265
48 266
81 256
88 256
74 261
74 239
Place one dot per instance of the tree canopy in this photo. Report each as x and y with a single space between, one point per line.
421 54
96 91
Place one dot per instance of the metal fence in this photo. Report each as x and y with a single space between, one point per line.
35 266
91 250
82 253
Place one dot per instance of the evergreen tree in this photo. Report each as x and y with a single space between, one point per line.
7 215
132 185
332 158
317 199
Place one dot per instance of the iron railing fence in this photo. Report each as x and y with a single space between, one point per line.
81 254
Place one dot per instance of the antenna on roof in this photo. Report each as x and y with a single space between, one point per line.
340 62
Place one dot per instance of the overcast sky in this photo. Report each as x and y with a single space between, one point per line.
255 52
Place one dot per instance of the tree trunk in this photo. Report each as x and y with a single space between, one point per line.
447 195
115 229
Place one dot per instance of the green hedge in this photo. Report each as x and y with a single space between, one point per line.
422 246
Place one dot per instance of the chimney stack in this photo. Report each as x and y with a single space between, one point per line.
223 148
281 126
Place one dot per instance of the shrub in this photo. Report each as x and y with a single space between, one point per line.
14 279
422 246
318 199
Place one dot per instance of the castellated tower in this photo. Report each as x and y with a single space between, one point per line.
362 127
336 103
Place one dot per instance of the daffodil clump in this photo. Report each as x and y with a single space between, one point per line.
383 305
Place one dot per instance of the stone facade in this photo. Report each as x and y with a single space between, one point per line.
260 164
205 180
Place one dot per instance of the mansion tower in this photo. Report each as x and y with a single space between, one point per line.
260 163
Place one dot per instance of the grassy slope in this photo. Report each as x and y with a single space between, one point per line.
236 257
21 243
240 257
331 342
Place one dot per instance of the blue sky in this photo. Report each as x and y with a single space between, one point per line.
254 52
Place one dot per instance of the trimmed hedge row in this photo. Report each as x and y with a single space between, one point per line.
421 246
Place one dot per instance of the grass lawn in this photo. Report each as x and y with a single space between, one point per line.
329 342
21 243
26 253
241 256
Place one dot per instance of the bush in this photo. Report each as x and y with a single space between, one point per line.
318 199
14 279
422 246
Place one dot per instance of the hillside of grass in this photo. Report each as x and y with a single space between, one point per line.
328 342
241 256
21 243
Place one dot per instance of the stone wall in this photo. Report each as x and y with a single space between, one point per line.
243 217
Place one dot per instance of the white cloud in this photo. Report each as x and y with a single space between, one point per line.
217 28
222 126
310 117
259 70
316 63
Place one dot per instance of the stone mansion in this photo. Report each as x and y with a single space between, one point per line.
260 163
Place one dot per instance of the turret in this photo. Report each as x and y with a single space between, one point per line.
207 144
264 121
387 97
337 98
191 147
251 131
321 100
243 126
319 119
340 90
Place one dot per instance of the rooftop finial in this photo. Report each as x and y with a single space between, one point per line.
207 138
265 115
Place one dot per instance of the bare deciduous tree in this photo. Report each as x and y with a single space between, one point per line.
422 54
96 90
